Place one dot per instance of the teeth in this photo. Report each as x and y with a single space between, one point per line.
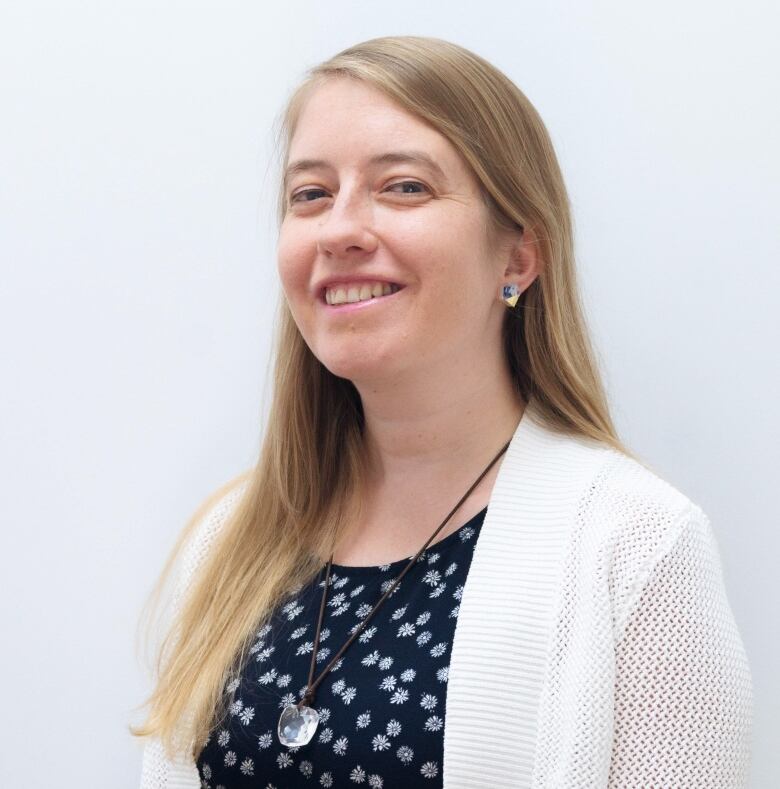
355 293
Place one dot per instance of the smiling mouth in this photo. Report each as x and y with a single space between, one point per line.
355 294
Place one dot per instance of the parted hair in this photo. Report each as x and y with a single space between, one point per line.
304 487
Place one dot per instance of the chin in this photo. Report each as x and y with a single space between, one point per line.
358 368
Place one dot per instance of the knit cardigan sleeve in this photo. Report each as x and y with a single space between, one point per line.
683 701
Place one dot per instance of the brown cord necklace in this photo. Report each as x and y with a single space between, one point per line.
298 722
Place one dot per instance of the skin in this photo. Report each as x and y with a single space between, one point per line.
428 364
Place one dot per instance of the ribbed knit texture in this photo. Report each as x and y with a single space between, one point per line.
595 644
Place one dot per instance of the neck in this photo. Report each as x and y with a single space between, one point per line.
426 444
419 433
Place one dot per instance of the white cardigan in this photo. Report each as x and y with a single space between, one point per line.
595 644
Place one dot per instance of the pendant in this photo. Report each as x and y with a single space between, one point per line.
297 726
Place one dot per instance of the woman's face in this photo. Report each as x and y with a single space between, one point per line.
377 198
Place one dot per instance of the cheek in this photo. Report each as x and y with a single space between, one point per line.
291 265
457 275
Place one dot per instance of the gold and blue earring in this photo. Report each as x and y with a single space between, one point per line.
510 293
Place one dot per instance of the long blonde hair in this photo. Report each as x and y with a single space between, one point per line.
302 491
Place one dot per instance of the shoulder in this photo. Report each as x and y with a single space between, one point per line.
631 498
634 518
608 492
611 507
203 527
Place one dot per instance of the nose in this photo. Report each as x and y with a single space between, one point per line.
346 229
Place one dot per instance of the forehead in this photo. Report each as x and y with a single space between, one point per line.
346 122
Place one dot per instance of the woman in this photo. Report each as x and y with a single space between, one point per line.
445 569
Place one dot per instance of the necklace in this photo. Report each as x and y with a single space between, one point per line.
298 722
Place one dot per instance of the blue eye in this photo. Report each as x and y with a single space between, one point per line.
408 183
304 192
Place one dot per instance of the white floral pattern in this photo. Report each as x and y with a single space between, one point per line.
395 672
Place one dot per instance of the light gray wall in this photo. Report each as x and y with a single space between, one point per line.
137 242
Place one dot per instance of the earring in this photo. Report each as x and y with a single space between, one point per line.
510 293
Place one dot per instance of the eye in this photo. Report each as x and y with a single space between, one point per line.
304 193
310 195
409 183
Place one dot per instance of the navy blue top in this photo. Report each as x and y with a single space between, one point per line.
382 705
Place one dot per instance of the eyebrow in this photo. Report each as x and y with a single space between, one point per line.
391 157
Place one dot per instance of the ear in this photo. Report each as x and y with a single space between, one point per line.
521 258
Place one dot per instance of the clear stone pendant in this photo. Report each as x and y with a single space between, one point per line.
297 726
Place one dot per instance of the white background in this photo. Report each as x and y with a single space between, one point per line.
137 239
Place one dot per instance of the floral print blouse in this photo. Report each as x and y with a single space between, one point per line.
381 706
